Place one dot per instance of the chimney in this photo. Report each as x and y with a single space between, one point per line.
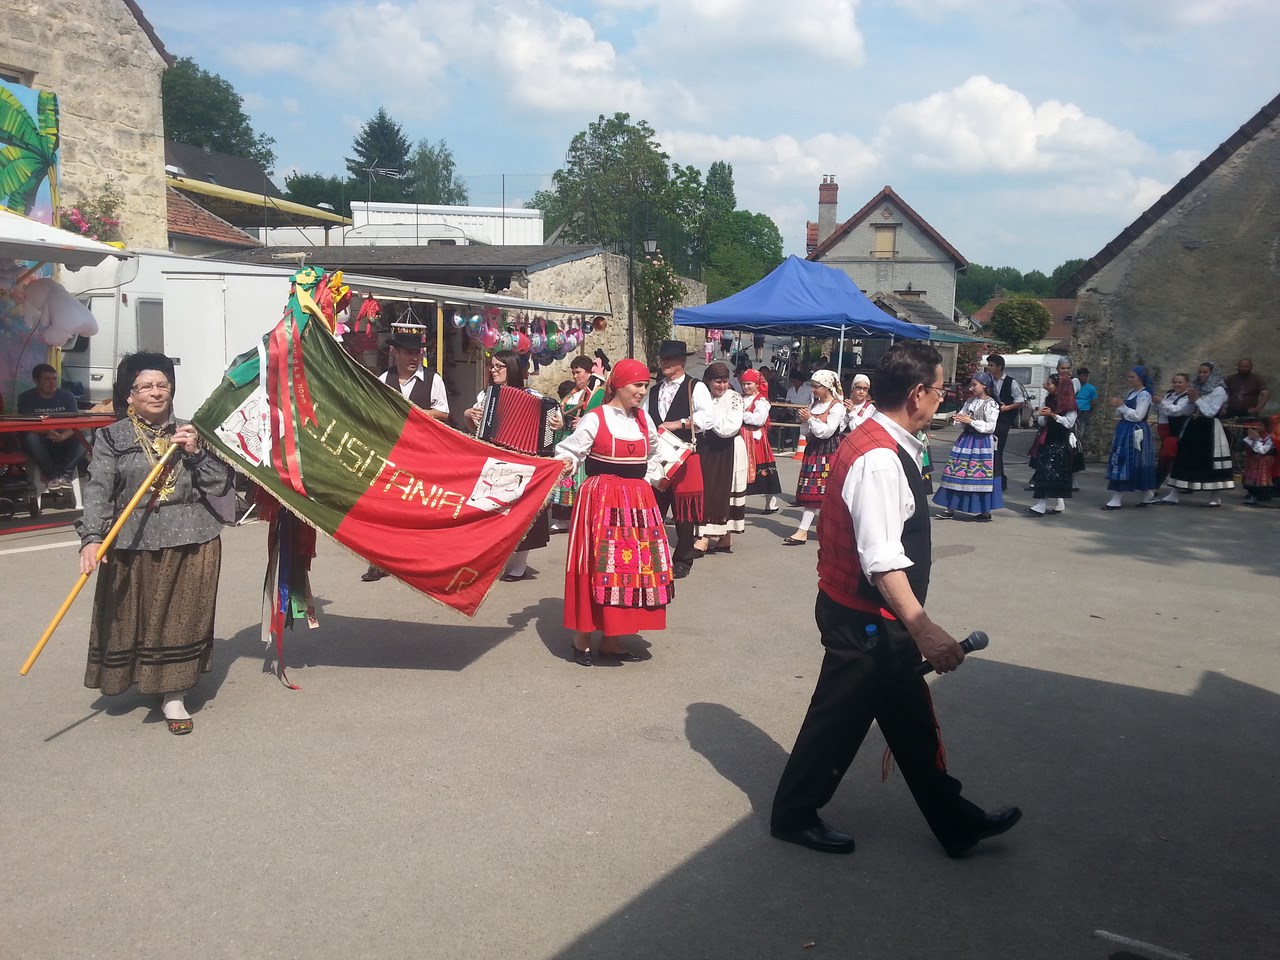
827 191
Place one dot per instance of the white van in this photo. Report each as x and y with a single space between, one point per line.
199 313
1031 370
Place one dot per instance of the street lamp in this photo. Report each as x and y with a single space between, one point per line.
650 242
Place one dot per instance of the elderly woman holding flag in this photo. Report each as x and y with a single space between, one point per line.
153 607
618 574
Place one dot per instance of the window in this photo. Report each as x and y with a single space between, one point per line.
23 78
151 325
886 241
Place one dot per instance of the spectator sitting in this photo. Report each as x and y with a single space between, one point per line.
54 452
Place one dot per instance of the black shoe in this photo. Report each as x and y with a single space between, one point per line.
681 570
698 554
372 574
818 837
581 656
991 825
794 542
982 518
626 656
512 578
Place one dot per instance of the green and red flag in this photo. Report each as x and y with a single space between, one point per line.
354 459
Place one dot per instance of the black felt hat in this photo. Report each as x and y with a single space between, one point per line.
673 348
406 341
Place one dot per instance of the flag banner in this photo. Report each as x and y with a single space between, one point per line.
353 458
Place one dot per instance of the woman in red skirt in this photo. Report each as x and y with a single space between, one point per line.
618 574
762 470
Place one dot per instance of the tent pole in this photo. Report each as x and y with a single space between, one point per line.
840 362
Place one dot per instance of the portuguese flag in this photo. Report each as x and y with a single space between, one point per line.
349 455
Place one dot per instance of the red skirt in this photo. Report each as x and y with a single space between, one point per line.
618 573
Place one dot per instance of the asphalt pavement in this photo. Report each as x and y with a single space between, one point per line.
452 788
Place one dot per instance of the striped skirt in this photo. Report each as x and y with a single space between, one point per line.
811 488
153 619
1203 461
968 482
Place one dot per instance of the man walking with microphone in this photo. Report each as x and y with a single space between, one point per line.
874 557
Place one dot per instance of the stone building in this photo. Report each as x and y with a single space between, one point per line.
887 247
1196 277
104 61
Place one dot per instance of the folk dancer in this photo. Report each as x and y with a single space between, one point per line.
968 481
1203 461
821 423
762 466
1131 464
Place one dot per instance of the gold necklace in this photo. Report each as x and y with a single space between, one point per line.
155 443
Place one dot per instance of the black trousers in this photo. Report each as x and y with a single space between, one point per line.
860 682
1002 438
682 549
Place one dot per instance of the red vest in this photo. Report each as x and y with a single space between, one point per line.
840 573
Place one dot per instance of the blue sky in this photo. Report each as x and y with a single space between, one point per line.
1027 132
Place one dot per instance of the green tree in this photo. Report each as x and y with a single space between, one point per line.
204 110
658 290
313 189
434 175
719 196
744 247
381 161
1019 321
1064 273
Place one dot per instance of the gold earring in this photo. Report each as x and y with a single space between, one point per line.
129 409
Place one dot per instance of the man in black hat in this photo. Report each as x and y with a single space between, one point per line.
418 383
681 404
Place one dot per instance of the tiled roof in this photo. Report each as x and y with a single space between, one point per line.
150 31
238 173
887 194
915 310
187 219
1061 310
1227 149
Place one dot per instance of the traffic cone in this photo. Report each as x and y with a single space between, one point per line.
799 454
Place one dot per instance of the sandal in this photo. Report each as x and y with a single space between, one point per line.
180 727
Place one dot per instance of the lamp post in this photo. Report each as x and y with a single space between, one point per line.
650 242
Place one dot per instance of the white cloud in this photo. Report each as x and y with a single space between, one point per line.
984 126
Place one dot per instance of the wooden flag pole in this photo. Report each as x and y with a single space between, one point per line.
102 551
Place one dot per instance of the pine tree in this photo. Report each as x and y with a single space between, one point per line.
381 160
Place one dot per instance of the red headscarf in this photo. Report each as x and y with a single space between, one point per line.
762 392
626 372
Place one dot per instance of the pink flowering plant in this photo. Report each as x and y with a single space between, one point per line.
95 217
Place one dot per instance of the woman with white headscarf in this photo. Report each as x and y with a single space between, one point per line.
858 406
969 482
1203 460
820 425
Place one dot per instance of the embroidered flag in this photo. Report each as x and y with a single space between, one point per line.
353 458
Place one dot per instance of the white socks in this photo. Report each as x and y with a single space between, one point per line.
806 520
1037 507
1060 505
1171 496
174 707
1114 501
772 504
518 564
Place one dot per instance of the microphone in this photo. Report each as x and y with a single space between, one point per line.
971 644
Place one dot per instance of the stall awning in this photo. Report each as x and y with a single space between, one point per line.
22 238
241 208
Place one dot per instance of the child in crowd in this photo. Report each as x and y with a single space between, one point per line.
1259 462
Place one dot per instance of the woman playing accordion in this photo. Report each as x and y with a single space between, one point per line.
618 574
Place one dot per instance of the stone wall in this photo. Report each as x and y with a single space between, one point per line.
598 283
106 72
1202 283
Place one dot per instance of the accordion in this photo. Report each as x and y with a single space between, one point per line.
518 420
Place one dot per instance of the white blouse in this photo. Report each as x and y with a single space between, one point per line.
1262 445
854 418
1068 420
834 409
725 416
984 411
1138 412
622 425
755 414
1173 405
1210 403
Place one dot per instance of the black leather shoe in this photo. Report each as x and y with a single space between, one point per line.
372 575
580 656
681 570
818 837
991 825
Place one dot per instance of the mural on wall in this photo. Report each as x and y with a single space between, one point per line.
29 186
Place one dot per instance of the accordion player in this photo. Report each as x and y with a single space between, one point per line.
518 420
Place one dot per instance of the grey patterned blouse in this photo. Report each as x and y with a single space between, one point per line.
118 469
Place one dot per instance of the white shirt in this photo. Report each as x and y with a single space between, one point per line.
726 420
1173 405
984 411
1210 403
755 415
861 412
622 426
802 395
1138 412
815 428
700 403
439 396
1019 394
1262 445
879 499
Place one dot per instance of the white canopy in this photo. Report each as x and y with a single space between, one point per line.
24 239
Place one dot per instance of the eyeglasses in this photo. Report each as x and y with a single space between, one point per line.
152 387
941 392
497 366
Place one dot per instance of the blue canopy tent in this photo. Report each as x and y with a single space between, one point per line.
802 298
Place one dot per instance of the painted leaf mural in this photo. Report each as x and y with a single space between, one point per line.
28 149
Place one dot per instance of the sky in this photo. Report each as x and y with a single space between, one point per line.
1026 132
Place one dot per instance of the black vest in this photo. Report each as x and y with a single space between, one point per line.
1009 417
681 407
917 538
420 394
1177 424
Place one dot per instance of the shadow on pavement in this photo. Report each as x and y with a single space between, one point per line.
1147 815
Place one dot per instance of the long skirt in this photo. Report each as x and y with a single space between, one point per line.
1055 462
729 514
968 481
618 574
538 535
811 488
1168 451
1259 472
1204 459
153 619
762 463
1131 464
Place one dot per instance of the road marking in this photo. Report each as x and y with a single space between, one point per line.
1141 945
43 546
